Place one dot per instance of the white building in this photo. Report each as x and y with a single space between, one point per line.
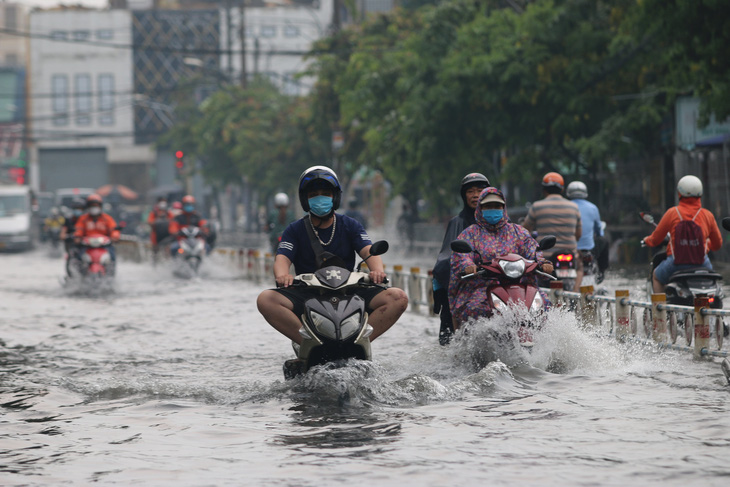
277 37
82 122
14 18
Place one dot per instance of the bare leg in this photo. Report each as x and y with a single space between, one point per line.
387 308
658 286
278 312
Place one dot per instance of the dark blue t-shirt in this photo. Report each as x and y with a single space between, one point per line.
350 237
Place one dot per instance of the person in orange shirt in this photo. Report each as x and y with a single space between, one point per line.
95 223
689 189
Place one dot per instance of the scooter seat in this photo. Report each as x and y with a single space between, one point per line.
695 272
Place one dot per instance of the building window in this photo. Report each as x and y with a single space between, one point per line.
59 94
82 88
268 31
290 85
81 35
59 35
105 34
106 99
291 31
11 17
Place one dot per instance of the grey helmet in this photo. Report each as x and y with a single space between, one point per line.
577 189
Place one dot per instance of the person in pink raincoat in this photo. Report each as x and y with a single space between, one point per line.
492 235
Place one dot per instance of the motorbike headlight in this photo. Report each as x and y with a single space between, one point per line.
323 325
498 303
537 303
350 325
512 269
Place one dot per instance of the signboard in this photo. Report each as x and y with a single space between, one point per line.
688 131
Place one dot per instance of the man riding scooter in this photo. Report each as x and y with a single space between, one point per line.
188 217
95 223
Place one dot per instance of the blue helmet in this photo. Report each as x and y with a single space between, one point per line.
317 177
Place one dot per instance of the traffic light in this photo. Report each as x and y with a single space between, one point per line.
179 164
18 174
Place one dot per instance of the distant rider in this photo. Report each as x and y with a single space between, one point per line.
491 236
689 209
555 215
591 239
53 224
354 213
319 195
159 221
279 219
95 223
188 218
471 187
78 206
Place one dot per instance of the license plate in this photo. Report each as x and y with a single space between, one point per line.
566 273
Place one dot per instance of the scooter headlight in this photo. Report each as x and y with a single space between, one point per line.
498 303
537 303
512 269
323 325
350 325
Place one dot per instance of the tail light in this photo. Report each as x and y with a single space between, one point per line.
565 257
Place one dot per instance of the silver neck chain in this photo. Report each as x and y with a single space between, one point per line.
316 233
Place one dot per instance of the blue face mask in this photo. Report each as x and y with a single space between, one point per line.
188 208
492 216
78 212
320 205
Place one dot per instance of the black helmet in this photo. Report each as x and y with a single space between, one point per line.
317 177
473 179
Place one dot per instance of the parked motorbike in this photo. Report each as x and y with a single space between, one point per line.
508 270
335 323
684 285
191 251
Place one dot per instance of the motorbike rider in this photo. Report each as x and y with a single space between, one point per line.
279 218
471 187
689 190
188 217
555 215
491 236
591 239
159 221
340 237
354 213
176 208
53 223
78 206
95 223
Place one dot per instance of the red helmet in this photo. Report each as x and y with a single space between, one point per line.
188 199
553 179
93 199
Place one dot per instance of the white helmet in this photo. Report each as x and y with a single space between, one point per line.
281 199
577 189
689 187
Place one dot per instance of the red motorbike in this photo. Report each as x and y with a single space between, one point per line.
507 271
95 257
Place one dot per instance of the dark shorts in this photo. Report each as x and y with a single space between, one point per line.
299 296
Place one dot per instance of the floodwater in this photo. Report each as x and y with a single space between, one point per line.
179 382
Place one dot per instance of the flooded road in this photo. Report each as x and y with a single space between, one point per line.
179 382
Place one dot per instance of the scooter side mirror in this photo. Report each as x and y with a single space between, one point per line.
461 247
648 218
547 242
379 248
726 223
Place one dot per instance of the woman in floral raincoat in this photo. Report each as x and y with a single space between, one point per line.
492 235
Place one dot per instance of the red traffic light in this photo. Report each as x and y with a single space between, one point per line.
179 154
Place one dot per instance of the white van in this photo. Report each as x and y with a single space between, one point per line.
17 231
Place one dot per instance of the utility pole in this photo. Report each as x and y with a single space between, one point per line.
256 53
243 45
336 17
229 39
